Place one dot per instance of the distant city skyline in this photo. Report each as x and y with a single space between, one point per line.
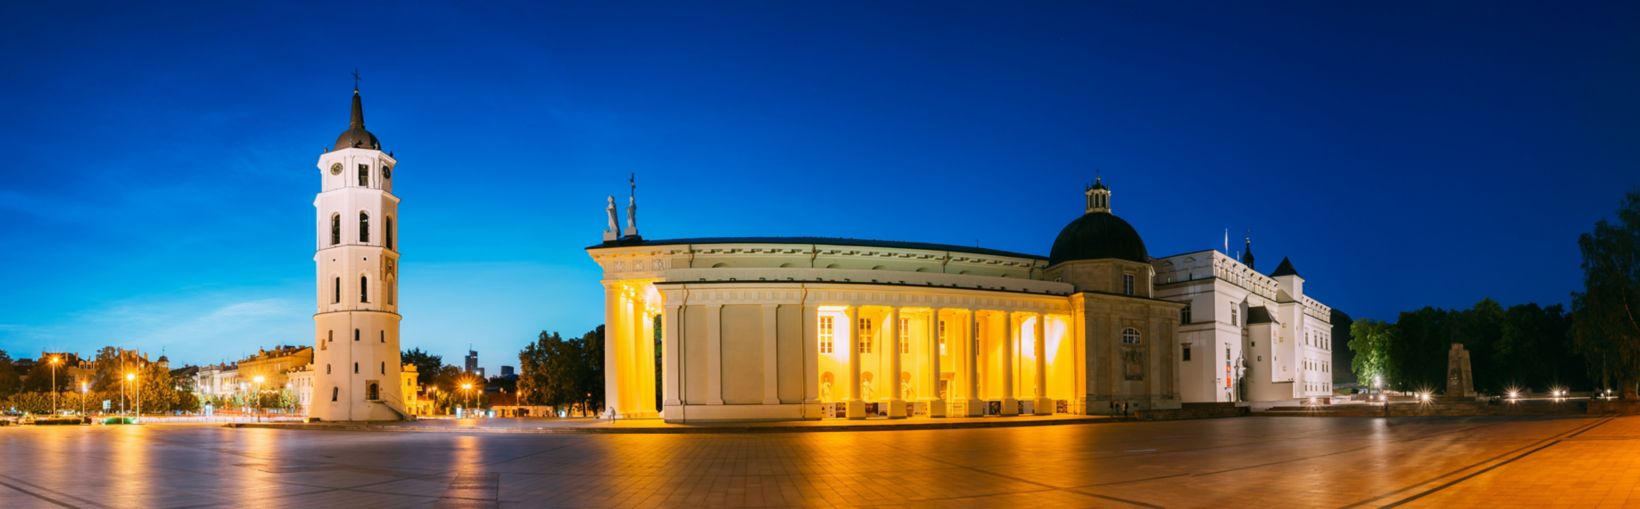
160 186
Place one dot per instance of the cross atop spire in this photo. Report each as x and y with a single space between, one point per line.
355 80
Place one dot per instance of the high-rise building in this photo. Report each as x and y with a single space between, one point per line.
472 361
356 357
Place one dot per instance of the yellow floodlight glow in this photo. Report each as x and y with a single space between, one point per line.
258 379
130 376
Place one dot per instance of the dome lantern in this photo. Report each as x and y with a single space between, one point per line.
1098 234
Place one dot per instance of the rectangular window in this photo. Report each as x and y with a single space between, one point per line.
942 337
1187 353
364 175
1184 314
905 335
828 333
865 335
1233 311
1127 284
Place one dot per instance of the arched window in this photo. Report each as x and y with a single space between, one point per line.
364 227
391 285
372 391
387 232
355 368
364 289
1130 336
384 367
335 229
364 175
337 288
355 335
327 369
384 336
334 392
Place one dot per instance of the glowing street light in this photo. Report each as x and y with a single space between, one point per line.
468 388
258 379
84 387
131 378
55 360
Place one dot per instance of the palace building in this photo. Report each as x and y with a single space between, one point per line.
773 328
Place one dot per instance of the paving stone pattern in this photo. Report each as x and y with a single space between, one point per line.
1239 462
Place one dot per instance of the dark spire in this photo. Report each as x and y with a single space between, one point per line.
1285 269
1247 254
356 136
357 121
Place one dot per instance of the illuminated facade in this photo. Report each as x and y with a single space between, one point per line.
1247 336
356 325
809 328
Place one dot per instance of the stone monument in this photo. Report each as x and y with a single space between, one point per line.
1460 381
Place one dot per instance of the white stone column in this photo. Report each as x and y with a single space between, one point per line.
714 354
896 389
856 408
970 349
613 365
671 356
811 360
936 404
1043 405
771 345
646 360
1010 337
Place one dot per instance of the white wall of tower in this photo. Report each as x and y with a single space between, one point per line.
356 321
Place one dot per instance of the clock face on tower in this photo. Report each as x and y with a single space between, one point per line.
336 169
387 172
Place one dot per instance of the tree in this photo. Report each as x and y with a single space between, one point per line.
1606 314
558 372
9 382
590 379
1370 342
427 365
1341 356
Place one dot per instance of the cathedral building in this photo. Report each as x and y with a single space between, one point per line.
780 328
355 371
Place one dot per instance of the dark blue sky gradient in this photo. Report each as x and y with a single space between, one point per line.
159 172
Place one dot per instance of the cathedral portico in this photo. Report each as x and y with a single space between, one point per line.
773 328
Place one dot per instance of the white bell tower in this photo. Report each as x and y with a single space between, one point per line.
356 355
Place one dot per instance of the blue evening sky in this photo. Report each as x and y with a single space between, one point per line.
158 159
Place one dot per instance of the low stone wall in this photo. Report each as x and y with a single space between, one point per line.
1440 408
1194 411
1614 407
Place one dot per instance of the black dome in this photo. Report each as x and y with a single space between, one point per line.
1098 235
356 136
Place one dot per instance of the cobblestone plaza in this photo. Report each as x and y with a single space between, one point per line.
1286 461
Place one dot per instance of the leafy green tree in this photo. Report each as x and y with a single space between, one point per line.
9 382
427 365
1370 342
1607 312
1341 353
39 378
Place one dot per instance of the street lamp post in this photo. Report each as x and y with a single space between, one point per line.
55 359
258 379
468 388
83 388
130 378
